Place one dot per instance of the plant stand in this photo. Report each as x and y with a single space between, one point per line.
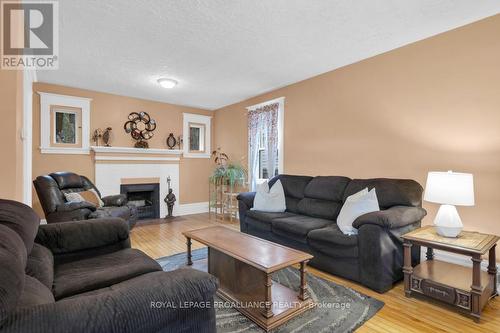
216 198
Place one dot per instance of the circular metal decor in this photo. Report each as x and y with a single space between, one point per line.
141 127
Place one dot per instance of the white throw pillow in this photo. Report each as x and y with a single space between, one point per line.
73 197
270 200
354 206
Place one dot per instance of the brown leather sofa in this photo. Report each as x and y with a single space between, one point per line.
51 188
84 277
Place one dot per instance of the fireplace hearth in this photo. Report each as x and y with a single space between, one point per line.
146 197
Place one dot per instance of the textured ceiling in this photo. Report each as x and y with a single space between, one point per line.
224 51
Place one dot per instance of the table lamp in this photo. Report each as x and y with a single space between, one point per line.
449 189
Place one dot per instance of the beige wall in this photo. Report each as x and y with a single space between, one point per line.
11 146
112 110
432 105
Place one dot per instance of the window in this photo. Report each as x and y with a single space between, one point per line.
263 173
265 140
196 135
65 124
196 138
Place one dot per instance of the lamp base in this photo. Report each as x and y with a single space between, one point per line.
448 222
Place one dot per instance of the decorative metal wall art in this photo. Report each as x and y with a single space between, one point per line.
141 127
171 141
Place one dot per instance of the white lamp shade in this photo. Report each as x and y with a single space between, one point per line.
450 188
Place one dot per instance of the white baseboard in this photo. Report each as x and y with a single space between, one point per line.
43 221
191 208
457 259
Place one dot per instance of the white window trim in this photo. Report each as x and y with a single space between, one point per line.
199 119
48 99
281 122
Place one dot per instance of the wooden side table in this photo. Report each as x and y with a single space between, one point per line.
464 287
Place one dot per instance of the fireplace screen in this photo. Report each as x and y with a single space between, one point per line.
146 197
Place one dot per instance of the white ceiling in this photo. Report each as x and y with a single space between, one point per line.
224 51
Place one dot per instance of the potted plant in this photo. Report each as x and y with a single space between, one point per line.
226 172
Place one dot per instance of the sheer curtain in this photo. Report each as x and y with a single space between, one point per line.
262 123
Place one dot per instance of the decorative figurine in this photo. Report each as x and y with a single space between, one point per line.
170 200
106 137
141 127
171 141
96 136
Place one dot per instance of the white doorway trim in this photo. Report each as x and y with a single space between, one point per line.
29 76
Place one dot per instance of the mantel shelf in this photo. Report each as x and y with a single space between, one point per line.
132 150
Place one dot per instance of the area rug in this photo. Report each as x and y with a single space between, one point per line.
338 308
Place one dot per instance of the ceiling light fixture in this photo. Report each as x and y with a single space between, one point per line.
167 83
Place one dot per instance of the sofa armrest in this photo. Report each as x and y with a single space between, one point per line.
68 237
178 301
392 218
116 200
245 203
246 198
71 206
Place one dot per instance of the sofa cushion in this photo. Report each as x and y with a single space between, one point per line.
262 220
297 227
67 180
331 241
390 192
40 265
327 188
20 218
324 209
112 211
34 293
12 263
266 216
294 187
101 271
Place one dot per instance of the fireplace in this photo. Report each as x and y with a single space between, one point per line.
146 197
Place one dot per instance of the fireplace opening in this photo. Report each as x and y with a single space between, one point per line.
146 197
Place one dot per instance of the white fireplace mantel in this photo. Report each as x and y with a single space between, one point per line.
131 150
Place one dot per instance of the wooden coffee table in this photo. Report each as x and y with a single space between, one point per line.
244 265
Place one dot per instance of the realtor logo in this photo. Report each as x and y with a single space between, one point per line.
30 35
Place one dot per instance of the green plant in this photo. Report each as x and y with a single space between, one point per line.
226 172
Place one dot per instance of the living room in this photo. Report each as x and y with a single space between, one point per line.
230 166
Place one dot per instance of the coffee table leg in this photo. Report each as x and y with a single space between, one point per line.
492 268
189 258
268 312
304 293
407 268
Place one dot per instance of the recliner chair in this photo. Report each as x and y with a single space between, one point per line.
51 188
83 277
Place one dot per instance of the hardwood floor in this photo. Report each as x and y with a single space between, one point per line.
400 314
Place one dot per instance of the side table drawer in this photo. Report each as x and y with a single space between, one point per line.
445 294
